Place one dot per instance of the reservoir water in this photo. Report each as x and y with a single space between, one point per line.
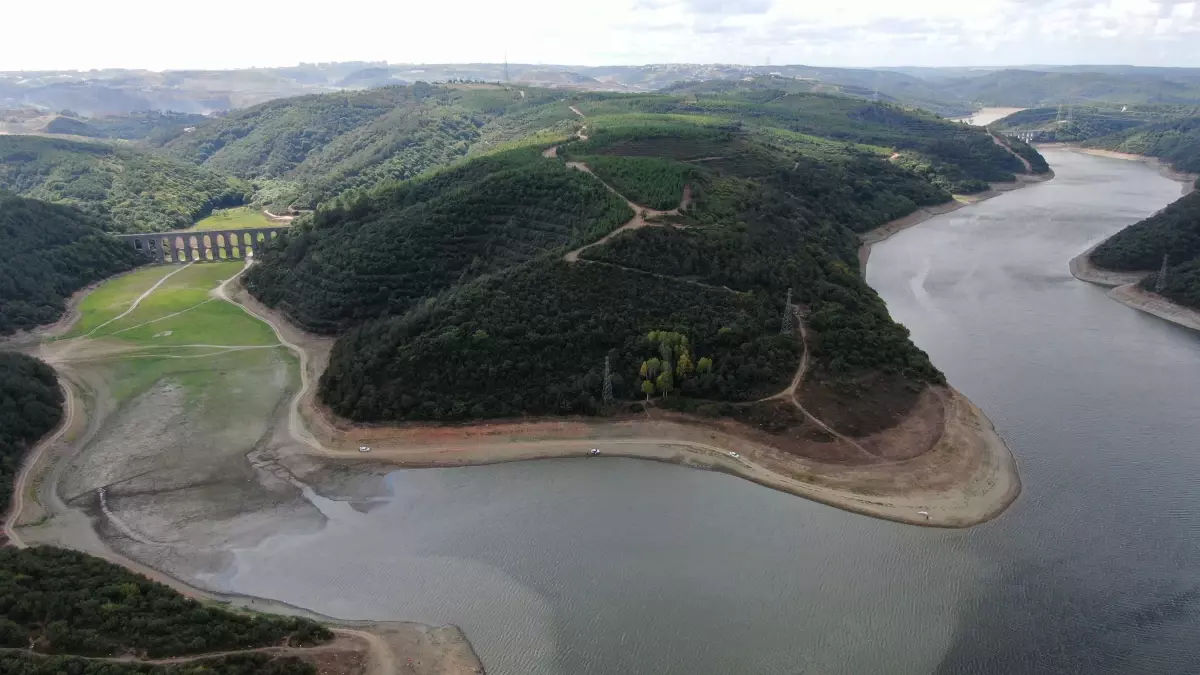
619 566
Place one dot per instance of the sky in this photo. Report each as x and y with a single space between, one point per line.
85 34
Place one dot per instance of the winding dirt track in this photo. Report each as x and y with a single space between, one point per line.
1000 142
140 298
20 485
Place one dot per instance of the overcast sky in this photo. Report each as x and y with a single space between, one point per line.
83 34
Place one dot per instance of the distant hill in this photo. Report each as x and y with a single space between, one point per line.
472 293
311 148
1030 89
47 252
134 126
126 189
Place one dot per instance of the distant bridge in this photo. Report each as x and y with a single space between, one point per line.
200 246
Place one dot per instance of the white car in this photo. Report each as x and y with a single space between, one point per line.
734 455
364 448
594 451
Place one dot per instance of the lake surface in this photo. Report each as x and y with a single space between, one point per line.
618 566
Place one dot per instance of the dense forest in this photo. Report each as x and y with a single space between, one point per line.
153 126
47 252
1176 142
128 190
1173 232
65 602
450 319
15 663
30 406
306 149
380 252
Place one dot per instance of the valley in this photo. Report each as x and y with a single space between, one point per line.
508 338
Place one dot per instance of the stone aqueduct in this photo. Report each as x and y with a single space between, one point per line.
203 246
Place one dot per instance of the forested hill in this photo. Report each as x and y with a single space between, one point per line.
47 252
1173 232
467 294
1175 141
127 189
309 148
303 151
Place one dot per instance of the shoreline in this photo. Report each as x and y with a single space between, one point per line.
967 476
1123 286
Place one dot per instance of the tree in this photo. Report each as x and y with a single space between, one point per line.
647 389
704 365
664 383
685 366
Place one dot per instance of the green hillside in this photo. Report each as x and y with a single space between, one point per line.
464 303
129 190
1176 142
47 252
380 252
306 149
1174 232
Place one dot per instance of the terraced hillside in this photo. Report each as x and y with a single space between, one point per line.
498 287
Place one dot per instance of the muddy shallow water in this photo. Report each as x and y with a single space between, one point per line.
606 565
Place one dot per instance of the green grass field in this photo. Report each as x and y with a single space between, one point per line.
113 297
180 311
234 219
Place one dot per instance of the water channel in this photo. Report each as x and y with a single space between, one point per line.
609 565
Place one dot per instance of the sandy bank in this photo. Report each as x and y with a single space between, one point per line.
967 475
872 237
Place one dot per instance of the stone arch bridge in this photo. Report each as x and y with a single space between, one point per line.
200 246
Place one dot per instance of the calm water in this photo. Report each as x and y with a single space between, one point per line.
618 566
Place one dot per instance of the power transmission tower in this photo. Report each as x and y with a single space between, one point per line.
505 67
1161 282
786 324
608 397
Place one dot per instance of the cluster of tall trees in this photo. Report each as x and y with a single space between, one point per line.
126 189
673 365
47 252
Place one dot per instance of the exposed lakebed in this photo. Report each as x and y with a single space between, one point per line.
613 565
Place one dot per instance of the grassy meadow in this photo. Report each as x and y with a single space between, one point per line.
234 219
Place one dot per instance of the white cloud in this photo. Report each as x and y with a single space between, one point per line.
237 33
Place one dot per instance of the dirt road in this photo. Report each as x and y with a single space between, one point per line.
21 483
